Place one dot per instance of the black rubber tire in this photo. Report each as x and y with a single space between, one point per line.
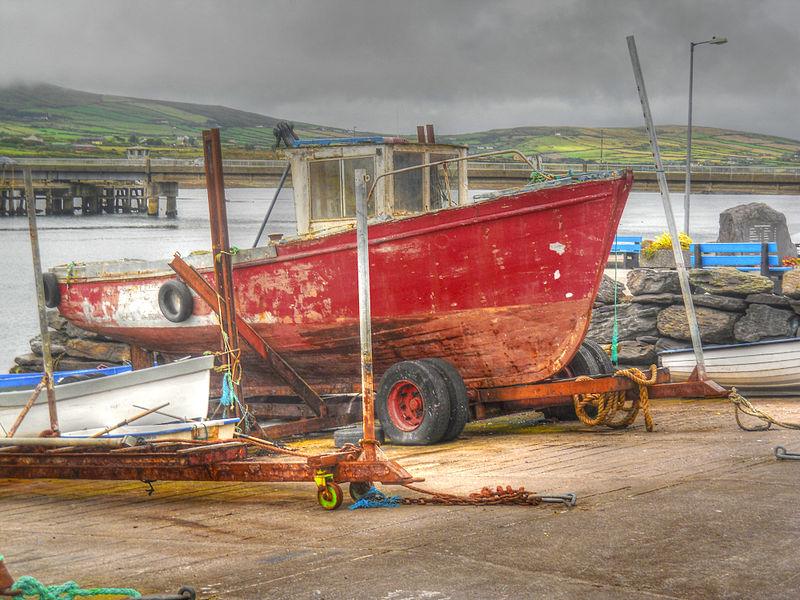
602 360
52 291
457 392
359 489
587 361
80 377
429 388
352 434
175 301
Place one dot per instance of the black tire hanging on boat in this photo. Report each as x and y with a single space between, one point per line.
175 301
412 404
52 291
457 392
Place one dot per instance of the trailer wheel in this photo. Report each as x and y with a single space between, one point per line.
175 301
457 393
591 360
330 497
358 489
413 404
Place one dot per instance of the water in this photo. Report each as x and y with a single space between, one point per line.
64 239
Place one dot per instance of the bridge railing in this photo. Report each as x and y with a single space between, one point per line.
501 165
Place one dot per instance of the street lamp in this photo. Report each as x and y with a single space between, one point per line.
713 40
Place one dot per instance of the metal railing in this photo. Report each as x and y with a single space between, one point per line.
501 165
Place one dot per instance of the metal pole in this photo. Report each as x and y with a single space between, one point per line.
365 319
272 205
691 316
688 189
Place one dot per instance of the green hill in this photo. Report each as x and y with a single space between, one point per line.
47 120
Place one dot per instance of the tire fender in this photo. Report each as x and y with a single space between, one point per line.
52 290
175 301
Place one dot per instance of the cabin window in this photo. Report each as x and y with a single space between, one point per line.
408 186
443 182
332 187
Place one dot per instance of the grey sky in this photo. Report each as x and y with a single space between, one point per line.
464 65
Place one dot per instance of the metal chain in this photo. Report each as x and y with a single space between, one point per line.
486 497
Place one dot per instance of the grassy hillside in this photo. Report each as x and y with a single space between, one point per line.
630 145
47 120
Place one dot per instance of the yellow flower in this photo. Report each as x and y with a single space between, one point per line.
665 241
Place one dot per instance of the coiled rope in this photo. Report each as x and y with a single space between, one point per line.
616 409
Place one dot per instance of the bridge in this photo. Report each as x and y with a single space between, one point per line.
123 185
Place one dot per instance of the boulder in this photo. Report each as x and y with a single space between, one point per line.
790 284
606 292
762 322
720 302
58 343
55 320
756 222
102 351
665 343
653 281
716 326
632 320
729 281
769 299
636 353
661 299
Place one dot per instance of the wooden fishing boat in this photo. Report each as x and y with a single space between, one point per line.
501 288
106 401
766 368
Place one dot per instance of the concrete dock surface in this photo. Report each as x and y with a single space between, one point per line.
695 509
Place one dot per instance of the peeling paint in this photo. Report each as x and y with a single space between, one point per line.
558 248
557 274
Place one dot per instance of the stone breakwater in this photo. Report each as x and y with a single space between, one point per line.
732 306
72 348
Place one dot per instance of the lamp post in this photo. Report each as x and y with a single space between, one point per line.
686 198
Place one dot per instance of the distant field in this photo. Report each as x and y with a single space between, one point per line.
45 120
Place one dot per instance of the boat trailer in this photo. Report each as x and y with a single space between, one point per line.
249 459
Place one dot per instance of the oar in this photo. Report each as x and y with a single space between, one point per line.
126 421
36 391
182 419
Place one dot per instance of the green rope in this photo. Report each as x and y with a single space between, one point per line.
31 588
615 331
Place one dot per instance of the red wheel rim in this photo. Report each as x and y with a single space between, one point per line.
406 406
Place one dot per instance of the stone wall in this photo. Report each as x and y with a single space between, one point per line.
72 348
732 306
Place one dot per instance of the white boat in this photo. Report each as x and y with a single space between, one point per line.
767 368
216 429
107 401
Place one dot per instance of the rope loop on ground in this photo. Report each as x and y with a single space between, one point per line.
740 403
29 587
601 408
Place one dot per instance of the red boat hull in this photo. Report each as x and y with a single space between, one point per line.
502 289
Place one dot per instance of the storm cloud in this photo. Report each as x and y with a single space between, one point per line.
388 66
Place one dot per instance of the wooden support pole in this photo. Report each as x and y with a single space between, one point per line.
37 276
221 251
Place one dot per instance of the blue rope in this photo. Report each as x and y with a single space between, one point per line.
375 498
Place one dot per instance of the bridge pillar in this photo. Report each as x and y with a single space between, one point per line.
170 190
151 191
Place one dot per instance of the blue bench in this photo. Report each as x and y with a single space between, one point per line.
630 247
745 256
